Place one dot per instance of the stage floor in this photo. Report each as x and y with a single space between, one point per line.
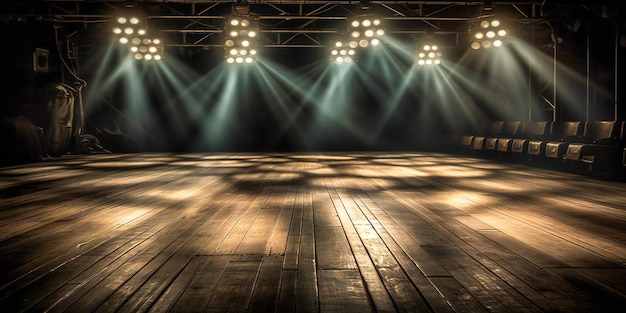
345 232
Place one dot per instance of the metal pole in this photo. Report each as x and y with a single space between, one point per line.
588 65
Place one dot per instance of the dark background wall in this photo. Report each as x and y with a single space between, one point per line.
194 102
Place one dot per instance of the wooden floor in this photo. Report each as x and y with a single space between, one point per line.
363 232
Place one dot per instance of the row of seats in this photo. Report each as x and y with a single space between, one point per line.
592 146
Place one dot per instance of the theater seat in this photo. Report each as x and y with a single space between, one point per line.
509 130
494 130
599 147
530 131
561 133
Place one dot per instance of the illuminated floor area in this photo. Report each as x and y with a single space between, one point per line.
366 232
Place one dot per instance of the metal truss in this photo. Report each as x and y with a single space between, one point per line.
294 23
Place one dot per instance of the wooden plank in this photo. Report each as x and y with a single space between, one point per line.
288 291
267 286
234 289
332 248
342 290
196 296
168 297
376 289
307 293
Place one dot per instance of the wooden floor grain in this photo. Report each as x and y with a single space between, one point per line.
344 232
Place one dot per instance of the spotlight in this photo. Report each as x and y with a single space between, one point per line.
428 55
123 40
487 33
121 20
365 31
240 39
342 52
134 20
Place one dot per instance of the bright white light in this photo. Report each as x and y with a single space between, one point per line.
353 44
121 20
369 33
252 34
117 30
152 49
380 32
375 42
490 34
421 62
123 40
134 20
233 52
245 43
157 57
367 23
234 22
426 47
351 52
497 43
355 34
338 44
355 23
339 60
479 35
148 57
343 52
475 45
239 60
376 22
234 33
230 60
437 61
229 43
128 30
495 23
434 48
421 55
134 49
252 52
334 52
431 55
249 60
156 41
502 33
243 52
429 62
141 32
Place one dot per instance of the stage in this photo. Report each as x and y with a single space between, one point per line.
327 232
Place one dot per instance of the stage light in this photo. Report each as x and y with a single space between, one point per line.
127 26
428 54
342 53
486 33
365 31
240 39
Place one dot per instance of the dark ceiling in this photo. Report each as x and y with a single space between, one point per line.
296 23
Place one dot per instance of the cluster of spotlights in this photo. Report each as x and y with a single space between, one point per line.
489 33
241 40
342 53
142 47
428 55
365 31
